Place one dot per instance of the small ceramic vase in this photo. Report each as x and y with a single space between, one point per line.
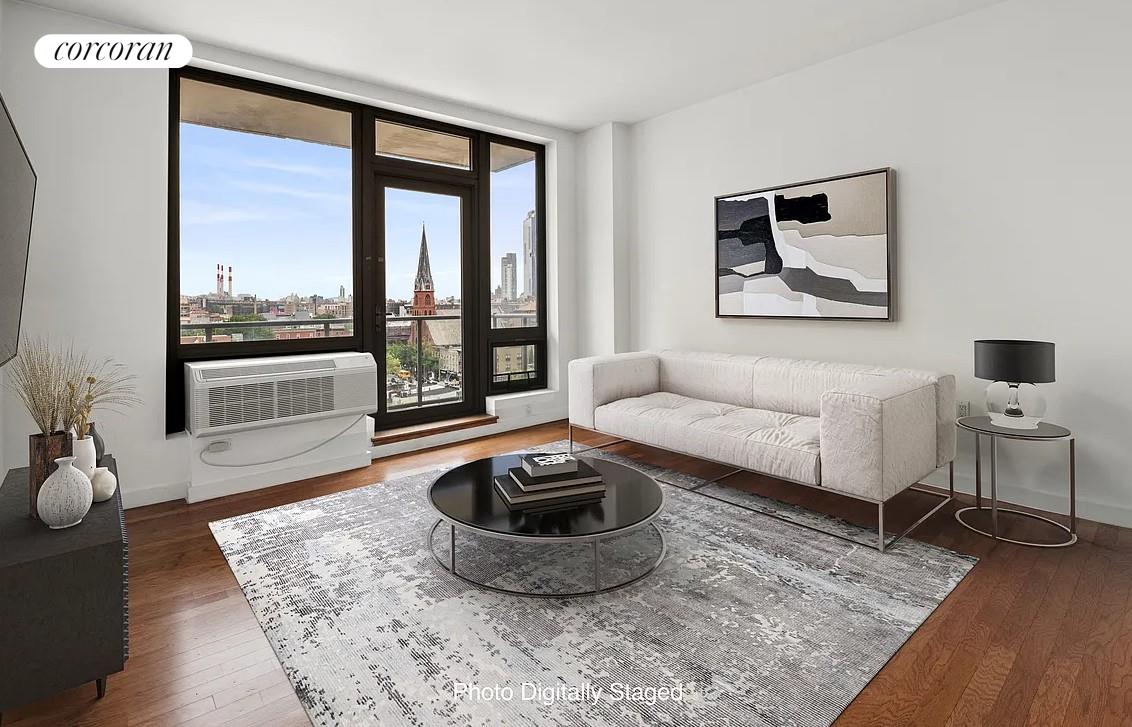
84 452
65 497
99 442
103 483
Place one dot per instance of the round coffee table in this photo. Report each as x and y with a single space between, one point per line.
465 498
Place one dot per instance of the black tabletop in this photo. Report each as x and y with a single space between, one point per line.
1044 430
24 539
466 495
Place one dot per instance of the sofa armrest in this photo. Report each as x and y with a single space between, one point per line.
877 438
598 380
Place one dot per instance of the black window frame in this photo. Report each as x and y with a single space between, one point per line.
368 169
528 335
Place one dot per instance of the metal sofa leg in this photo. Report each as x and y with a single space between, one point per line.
573 449
880 526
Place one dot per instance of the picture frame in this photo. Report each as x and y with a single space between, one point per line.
819 249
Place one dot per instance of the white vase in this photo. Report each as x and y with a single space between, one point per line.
84 452
103 483
65 496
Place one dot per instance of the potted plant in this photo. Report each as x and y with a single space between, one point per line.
86 456
61 389
101 384
38 376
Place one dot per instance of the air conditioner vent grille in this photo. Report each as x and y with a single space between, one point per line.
305 396
281 367
241 403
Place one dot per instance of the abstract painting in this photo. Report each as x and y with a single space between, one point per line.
810 250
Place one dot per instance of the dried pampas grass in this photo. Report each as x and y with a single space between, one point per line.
60 387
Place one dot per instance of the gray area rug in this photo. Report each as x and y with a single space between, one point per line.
748 621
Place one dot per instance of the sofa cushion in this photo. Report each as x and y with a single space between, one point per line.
796 386
777 444
723 377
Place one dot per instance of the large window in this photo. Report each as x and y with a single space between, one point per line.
303 223
266 217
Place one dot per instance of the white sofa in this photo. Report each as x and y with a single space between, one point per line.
862 431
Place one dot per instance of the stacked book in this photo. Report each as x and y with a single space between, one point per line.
549 481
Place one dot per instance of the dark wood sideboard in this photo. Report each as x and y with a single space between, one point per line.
64 597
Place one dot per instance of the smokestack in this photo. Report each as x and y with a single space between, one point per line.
229 281
218 283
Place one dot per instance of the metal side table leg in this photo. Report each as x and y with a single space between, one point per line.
994 486
978 470
1073 485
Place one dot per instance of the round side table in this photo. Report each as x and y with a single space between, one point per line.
981 426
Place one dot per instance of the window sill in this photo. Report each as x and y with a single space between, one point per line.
516 395
417 431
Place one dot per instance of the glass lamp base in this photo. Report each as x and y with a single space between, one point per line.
1015 406
1022 422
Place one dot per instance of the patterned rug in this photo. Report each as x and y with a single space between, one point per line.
748 621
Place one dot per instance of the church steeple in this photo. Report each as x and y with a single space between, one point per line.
424 270
424 299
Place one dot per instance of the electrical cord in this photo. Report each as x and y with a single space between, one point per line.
200 455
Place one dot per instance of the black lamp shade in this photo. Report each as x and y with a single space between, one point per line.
1019 362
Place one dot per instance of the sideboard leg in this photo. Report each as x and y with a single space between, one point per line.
100 684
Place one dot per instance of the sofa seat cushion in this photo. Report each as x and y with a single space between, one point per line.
777 444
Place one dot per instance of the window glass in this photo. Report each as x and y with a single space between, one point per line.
424 340
514 237
513 365
266 217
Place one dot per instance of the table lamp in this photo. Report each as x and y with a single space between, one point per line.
1014 367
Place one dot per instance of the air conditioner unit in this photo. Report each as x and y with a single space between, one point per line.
238 395
267 421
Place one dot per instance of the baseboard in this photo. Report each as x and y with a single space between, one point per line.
167 492
258 480
1056 503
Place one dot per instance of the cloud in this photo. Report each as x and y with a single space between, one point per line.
194 212
288 191
308 170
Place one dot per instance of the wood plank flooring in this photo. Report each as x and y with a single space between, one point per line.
1030 637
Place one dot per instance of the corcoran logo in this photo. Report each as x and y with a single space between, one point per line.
113 51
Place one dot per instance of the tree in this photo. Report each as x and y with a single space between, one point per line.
252 333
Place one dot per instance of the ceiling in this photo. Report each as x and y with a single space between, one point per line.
569 63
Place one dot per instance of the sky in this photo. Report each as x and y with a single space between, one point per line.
279 212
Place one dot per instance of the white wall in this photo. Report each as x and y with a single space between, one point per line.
1008 130
98 257
604 205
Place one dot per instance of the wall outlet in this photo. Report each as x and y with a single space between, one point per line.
964 408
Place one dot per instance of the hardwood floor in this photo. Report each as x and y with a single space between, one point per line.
1030 637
